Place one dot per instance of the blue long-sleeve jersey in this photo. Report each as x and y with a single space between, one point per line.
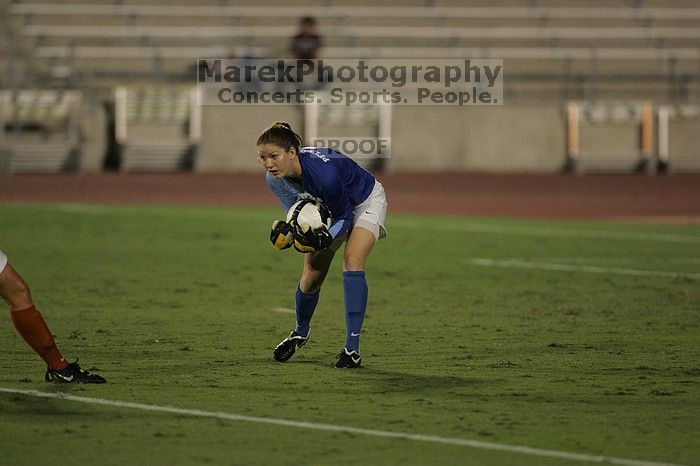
330 177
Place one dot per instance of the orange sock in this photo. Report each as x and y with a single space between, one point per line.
32 327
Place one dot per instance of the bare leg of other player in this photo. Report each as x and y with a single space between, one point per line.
14 289
28 320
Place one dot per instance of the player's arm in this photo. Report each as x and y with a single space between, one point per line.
285 194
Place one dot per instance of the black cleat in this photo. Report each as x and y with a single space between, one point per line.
288 346
348 359
72 374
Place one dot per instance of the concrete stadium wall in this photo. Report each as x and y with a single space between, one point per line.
520 138
684 153
93 130
510 138
229 134
609 146
505 138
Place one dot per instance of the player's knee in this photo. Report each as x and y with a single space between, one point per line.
310 286
19 295
311 281
353 264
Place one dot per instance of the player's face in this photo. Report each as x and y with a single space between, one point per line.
276 160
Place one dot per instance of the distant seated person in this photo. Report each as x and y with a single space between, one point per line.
306 43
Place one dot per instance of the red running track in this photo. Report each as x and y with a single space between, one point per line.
662 199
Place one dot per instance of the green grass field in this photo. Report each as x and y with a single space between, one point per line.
529 333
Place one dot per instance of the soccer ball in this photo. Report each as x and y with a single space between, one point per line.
309 214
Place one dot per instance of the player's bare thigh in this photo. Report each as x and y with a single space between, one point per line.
359 245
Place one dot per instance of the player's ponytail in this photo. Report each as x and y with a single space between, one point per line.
282 135
282 123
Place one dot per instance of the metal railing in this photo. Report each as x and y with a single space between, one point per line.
650 33
528 12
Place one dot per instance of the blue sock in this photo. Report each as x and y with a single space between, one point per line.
306 305
355 287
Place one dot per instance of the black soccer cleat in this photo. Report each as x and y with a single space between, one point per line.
348 359
72 374
288 346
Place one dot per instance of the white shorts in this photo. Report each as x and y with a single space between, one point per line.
369 215
3 261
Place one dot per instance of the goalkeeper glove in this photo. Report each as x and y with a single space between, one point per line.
313 240
282 234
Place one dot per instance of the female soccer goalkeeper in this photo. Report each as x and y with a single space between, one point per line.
357 203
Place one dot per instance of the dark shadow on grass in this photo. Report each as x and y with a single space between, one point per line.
20 404
386 381
397 382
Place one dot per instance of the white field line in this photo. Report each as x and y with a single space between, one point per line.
518 264
476 228
548 231
284 310
337 428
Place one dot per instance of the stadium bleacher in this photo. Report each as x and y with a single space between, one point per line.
554 51
157 129
539 40
39 130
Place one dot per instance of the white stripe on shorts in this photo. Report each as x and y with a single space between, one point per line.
3 261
